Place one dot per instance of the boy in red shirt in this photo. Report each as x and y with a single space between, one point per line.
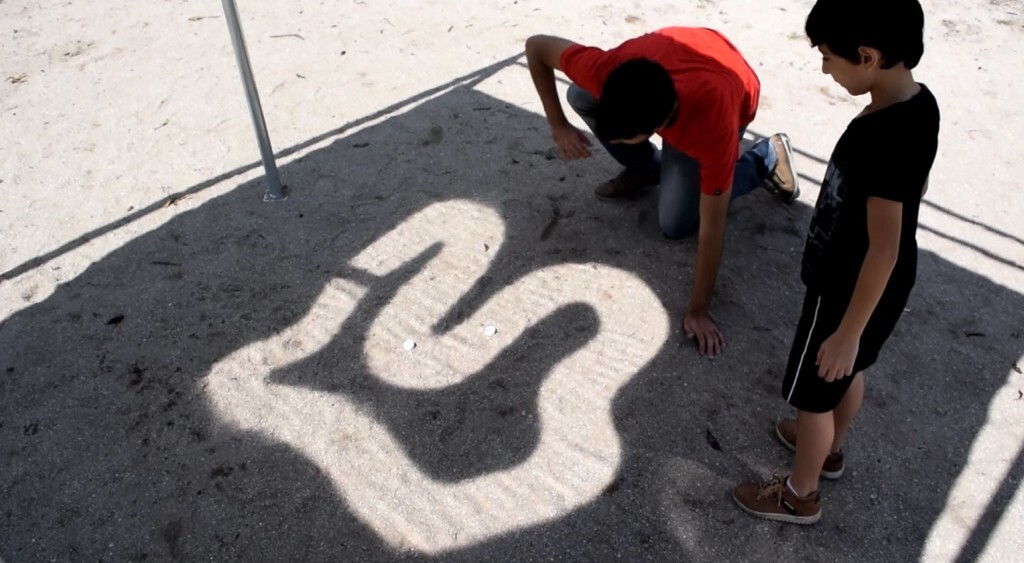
693 88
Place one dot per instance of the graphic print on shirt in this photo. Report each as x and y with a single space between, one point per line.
826 217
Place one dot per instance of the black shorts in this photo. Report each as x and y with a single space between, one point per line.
820 318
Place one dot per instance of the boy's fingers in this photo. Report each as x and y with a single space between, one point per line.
716 340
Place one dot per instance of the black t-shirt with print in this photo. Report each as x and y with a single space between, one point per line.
886 154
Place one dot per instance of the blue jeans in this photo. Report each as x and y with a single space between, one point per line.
679 199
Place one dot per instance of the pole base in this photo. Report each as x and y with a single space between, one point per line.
270 196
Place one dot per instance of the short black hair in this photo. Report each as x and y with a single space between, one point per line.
894 27
637 98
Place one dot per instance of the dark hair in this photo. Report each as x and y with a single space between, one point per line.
894 27
637 98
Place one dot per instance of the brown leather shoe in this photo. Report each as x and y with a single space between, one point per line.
773 500
783 180
628 183
835 464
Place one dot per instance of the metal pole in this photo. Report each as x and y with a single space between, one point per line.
275 191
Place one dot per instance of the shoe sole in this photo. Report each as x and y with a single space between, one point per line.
790 158
830 475
788 518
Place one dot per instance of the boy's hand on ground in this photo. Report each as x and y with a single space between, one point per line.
700 327
836 357
572 143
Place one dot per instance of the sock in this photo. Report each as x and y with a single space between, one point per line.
789 485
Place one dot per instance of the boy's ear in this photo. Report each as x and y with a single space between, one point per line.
870 57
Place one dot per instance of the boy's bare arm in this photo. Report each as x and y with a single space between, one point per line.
697 321
542 56
839 351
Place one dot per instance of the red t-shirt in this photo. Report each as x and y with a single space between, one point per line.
718 92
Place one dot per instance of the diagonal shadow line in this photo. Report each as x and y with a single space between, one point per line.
935 206
471 79
558 77
973 247
758 136
1000 501
973 222
814 181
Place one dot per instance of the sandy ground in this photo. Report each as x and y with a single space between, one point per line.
187 373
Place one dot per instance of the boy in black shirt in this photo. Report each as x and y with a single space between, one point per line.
860 260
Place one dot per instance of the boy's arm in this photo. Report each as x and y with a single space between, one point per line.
697 323
542 56
839 351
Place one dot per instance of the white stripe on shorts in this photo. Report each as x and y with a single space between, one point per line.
807 345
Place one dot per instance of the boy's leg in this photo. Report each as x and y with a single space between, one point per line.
816 431
679 204
769 163
642 157
815 399
679 200
823 434
847 409
753 167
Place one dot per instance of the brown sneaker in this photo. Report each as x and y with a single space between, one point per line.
627 183
783 180
835 464
773 500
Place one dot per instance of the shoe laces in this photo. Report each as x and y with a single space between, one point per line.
771 488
